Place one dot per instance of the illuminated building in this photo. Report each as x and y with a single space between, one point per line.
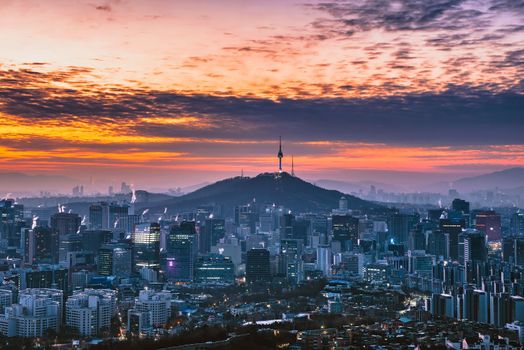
146 245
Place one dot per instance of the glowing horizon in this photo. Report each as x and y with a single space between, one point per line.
131 90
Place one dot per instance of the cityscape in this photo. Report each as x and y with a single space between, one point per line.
279 174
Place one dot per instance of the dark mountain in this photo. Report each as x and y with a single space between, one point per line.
504 179
267 188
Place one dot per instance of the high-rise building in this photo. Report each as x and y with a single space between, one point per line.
443 305
438 244
181 252
517 224
399 227
258 268
42 247
488 221
246 217
146 245
11 223
345 230
324 259
69 243
453 228
211 233
65 223
290 259
513 250
215 268
115 259
286 226
91 310
474 243
460 205
46 276
343 204
92 240
104 216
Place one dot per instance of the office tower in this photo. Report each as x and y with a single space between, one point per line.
399 226
213 231
443 305
69 243
420 263
396 249
118 214
65 223
181 252
460 206
98 216
79 279
286 226
517 308
302 229
92 240
246 217
343 204
353 263
104 216
324 259
91 310
46 276
377 272
438 244
215 268
513 250
258 266
418 239
345 230
453 228
127 224
11 223
474 245
115 259
434 215
157 305
146 245
517 224
37 312
266 222
6 299
479 308
488 221
290 259
43 246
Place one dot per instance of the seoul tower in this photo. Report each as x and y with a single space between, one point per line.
280 155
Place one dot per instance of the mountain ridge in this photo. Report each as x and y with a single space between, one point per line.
503 179
267 188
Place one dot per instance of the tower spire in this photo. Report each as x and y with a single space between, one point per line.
292 166
280 155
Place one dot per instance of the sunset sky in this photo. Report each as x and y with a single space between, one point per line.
171 93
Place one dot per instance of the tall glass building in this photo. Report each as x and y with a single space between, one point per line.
181 252
146 241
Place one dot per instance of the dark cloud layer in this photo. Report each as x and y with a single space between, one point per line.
458 116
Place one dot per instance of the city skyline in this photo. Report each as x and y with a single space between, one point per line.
179 93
